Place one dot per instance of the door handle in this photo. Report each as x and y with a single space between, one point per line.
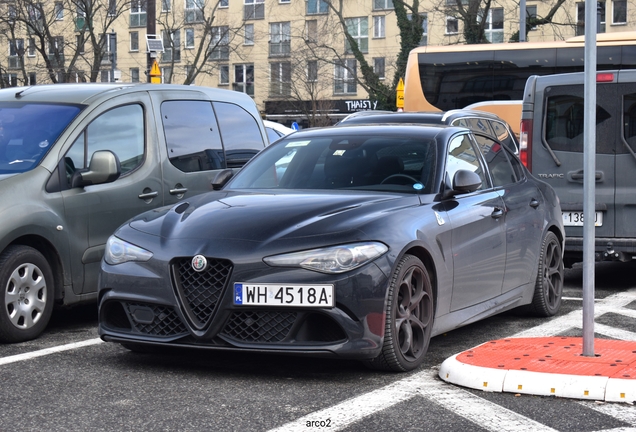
534 203
178 191
578 175
497 213
148 195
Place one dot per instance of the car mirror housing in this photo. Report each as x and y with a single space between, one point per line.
103 168
221 179
465 181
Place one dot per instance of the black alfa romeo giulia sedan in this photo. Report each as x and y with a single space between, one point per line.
357 242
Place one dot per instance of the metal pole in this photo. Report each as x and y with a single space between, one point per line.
589 177
151 29
522 20
113 54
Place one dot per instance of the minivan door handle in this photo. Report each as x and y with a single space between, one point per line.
497 213
178 191
148 195
534 203
578 175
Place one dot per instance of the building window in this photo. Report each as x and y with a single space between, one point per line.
494 25
134 75
16 51
311 30
138 13
112 9
104 75
280 79
580 18
358 28
312 71
59 11
254 9
382 4
531 13
284 1
224 75
79 43
189 38
279 39
249 34
424 39
619 11
452 25
166 74
220 43
32 78
194 10
378 67
10 79
244 78
345 77
171 46
378 26
56 51
224 3
134 41
31 49
166 6
315 7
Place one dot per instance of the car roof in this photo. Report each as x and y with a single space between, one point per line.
425 131
85 93
414 117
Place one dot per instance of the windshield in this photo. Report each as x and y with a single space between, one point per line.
378 162
28 131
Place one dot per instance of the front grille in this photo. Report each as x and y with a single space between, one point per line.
158 320
199 292
257 326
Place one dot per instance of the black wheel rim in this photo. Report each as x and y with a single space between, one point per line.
414 314
552 273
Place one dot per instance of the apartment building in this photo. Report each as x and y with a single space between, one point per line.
291 56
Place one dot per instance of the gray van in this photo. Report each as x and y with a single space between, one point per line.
78 160
551 140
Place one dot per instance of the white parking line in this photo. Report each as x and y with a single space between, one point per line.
47 351
486 414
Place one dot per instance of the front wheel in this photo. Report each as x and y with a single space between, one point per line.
26 280
409 318
549 285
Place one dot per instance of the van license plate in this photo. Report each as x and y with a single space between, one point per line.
576 219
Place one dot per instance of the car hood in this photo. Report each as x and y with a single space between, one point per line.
264 217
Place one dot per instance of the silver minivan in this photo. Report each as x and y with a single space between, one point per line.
78 160
551 139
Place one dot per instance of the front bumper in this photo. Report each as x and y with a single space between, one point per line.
142 303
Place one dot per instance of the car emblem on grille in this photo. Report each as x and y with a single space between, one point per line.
199 263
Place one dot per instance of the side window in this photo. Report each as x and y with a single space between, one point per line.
629 120
120 130
192 135
502 133
497 161
462 155
240 133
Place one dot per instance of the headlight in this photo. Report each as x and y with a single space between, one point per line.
335 259
119 251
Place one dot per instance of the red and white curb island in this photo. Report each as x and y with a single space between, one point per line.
548 366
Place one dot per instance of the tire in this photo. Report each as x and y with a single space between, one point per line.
409 318
549 285
26 280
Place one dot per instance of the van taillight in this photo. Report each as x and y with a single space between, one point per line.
605 77
525 143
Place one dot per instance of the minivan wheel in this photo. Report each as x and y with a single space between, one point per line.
409 318
549 285
26 280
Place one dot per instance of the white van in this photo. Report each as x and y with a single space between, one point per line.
552 126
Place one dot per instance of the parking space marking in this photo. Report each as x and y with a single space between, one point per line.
486 414
47 351
618 411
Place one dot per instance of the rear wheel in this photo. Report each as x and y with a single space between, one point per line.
549 285
26 280
409 318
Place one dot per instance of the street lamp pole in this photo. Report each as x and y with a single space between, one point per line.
151 29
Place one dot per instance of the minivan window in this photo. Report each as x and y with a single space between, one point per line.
629 120
120 130
28 131
240 133
192 135
564 125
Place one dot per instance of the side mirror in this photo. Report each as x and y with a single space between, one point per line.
222 178
464 181
104 167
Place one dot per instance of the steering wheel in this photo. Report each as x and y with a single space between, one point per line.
400 176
